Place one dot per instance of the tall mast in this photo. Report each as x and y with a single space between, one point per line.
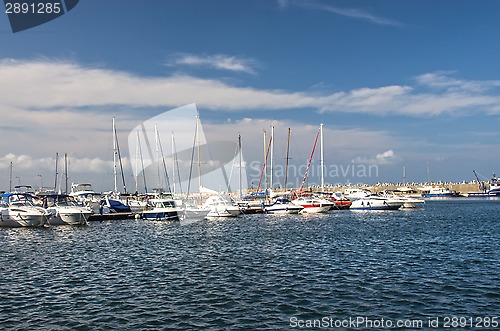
264 166
199 149
137 162
57 173
265 160
272 150
192 158
309 163
163 162
139 156
115 151
176 163
322 160
10 177
116 154
287 154
239 149
157 143
65 172
173 163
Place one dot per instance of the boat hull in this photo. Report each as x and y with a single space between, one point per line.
315 209
224 212
375 204
287 210
17 219
161 215
69 218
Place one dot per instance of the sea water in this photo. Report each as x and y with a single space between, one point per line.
428 268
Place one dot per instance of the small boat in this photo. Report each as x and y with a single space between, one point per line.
282 206
356 193
339 200
437 191
221 206
408 201
193 210
313 205
375 202
162 209
64 210
18 210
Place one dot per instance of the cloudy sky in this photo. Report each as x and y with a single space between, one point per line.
397 84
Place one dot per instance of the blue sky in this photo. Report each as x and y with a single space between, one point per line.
397 84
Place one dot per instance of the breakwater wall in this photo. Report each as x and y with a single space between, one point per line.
457 187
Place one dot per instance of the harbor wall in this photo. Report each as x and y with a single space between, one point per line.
457 187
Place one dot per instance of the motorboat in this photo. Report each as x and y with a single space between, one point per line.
195 212
408 201
356 193
18 210
221 206
282 206
376 202
84 195
437 191
313 205
162 209
64 210
339 200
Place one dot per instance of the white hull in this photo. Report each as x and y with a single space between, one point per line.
283 206
15 218
68 216
376 204
220 206
315 210
413 203
224 211
195 213
283 209
313 205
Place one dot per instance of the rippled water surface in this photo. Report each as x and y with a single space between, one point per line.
255 272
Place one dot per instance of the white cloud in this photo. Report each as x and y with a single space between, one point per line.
355 13
385 158
69 85
219 61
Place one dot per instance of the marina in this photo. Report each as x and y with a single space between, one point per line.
259 271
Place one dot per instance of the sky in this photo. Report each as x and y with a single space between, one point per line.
405 90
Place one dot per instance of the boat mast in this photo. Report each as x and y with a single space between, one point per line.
309 163
322 160
176 163
265 157
10 177
272 150
287 154
173 163
65 172
192 157
116 153
199 150
114 158
139 156
239 148
57 173
264 166
158 157
163 161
